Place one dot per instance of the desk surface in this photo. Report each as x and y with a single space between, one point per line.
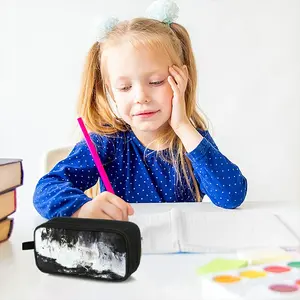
158 276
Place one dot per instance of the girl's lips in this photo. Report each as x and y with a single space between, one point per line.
146 114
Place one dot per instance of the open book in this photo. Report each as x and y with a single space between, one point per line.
225 231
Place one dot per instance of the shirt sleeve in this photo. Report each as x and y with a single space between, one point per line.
219 178
61 191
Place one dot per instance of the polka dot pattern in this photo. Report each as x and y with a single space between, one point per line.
138 175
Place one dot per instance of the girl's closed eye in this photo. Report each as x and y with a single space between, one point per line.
158 82
124 88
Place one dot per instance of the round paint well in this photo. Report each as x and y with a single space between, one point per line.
277 269
294 264
283 288
298 282
226 279
253 274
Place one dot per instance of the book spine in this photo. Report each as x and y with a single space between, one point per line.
22 173
15 200
11 225
10 189
21 181
15 206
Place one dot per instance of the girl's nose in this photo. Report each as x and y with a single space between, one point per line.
141 96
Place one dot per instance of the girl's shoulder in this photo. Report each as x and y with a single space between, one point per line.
107 145
100 138
108 140
203 132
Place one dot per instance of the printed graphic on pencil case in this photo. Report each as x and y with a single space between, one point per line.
93 254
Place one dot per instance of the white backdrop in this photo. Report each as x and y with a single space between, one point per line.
248 57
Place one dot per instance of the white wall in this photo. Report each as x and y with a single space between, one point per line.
248 55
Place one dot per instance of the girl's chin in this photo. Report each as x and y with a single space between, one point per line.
150 127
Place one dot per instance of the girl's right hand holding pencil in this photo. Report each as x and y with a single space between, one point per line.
105 206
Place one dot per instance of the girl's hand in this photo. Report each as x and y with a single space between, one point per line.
105 206
178 82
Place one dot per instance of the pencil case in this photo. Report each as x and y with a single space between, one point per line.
93 248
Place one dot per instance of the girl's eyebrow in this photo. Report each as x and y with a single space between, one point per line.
153 72
121 78
143 75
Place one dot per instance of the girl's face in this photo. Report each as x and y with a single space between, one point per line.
139 86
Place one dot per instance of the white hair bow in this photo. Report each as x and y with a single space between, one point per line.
165 11
105 26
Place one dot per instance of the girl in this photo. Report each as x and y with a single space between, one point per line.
138 99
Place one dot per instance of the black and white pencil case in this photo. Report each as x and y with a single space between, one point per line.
94 248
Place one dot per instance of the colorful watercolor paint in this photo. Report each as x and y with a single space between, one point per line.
221 265
283 288
277 269
269 282
226 279
253 274
294 264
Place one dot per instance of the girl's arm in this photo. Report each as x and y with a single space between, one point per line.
219 178
61 191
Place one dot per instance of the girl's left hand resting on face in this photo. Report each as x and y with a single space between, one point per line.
178 81
179 121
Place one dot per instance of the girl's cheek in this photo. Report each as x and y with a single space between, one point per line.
168 94
168 101
124 111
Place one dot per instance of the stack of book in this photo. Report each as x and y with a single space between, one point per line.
11 177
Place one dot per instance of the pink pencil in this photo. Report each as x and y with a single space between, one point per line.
96 157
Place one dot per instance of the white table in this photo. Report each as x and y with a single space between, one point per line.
158 276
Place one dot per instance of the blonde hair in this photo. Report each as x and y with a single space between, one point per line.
95 108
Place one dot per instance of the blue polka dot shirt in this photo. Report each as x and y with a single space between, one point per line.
137 175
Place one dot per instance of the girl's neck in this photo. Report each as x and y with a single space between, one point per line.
148 139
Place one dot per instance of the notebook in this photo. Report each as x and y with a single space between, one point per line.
212 232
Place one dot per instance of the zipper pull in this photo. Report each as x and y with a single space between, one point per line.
28 245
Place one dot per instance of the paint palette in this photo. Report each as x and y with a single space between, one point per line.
267 282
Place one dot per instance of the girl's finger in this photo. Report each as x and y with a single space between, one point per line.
180 70
178 78
130 210
173 84
104 216
125 207
112 211
183 73
186 72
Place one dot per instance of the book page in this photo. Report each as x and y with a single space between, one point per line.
158 231
233 230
